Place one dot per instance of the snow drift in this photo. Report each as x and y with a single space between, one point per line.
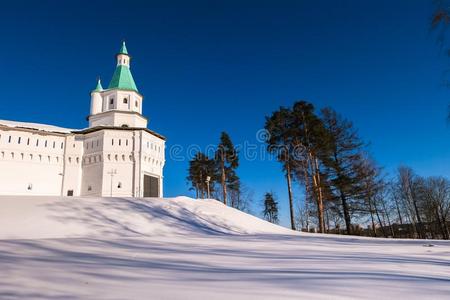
57 217
180 248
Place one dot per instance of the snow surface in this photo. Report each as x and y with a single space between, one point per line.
180 248
36 126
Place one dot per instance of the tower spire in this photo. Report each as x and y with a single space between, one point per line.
99 87
123 49
122 78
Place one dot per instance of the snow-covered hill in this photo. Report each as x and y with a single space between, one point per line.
115 248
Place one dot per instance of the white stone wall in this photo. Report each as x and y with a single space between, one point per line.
43 163
152 158
30 163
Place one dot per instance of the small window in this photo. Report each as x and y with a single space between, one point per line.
45 143
28 141
9 139
62 145
29 187
126 142
136 103
89 188
120 142
119 185
70 193
112 142
54 143
37 142
111 101
125 101
18 140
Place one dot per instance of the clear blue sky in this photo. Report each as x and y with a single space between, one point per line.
208 66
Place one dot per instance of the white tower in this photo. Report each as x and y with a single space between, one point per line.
120 105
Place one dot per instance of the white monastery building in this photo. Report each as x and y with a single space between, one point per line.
115 156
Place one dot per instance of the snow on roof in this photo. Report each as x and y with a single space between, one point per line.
35 126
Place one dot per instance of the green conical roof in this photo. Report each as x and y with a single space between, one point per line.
99 87
123 49
122 79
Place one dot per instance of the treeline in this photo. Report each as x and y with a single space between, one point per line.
344 190
216 177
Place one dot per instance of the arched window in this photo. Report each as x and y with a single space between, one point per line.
125 101
136 103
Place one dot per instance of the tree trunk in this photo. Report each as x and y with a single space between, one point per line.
317 191
419 221
379 220
444 222
289 184
348 222
373 220
307 194
224 182
398 210
388 219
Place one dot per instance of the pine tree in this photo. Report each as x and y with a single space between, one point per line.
227 161
270 211
280 142
200 167
343 161
309 135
